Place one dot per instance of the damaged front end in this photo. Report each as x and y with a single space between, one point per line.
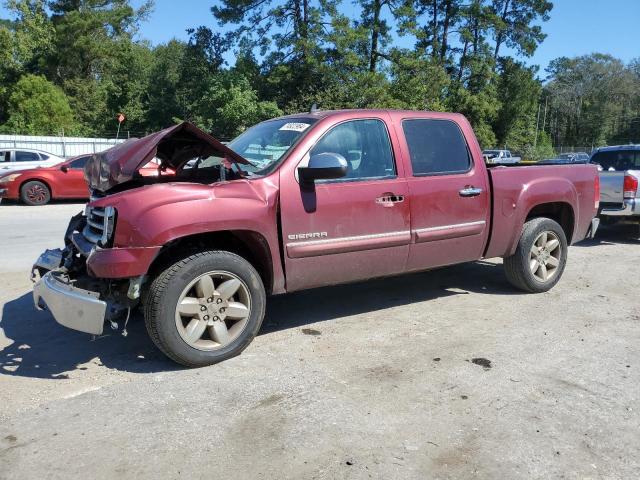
63 286
64 281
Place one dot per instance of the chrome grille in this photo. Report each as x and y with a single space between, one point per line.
99 225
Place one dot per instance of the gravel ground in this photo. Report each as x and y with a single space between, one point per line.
446 374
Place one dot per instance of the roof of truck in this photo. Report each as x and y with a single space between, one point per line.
360 111
618 147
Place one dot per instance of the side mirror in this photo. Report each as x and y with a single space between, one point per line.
64 168
323 166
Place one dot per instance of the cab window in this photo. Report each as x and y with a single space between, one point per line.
364 144
436 147
617 160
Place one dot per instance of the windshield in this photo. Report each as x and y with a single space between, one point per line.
266 143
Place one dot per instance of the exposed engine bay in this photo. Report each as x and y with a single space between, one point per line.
190 153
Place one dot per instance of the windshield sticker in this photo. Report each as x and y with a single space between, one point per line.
295 127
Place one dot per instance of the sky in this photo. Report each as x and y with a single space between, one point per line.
576 27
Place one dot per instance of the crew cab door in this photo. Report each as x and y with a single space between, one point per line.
352 228
449 193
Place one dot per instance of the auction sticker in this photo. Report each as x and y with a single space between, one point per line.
295 126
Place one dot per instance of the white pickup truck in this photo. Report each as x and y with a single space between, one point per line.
499 156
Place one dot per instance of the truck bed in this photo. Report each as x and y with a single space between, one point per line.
517 188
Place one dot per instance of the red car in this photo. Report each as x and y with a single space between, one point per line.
299 202
37 186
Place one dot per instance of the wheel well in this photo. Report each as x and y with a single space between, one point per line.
560 212
35 180
250 245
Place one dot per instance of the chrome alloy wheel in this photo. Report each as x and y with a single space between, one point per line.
213 310
545 256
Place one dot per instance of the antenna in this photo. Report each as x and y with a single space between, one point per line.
314 108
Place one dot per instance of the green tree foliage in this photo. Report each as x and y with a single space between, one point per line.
518 92
36 106
592 100
282 56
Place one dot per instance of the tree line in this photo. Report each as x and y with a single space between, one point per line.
73 65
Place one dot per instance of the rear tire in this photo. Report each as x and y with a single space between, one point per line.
35 193
205 308
540 257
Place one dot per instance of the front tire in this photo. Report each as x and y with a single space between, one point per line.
35 193
540 257
205 308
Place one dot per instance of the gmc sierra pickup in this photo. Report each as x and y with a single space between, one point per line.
298 202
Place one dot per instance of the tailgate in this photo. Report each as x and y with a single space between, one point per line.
611 187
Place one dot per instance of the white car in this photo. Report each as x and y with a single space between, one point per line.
25 158
500 156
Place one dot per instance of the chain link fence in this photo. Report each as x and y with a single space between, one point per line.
565 149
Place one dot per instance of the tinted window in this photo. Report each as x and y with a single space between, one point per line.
617 160
27 156
364 144
79 163
44 156
436 146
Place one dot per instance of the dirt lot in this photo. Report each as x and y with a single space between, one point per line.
446 374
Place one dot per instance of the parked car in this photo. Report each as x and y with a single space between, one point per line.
570 157
574 157
24 158
38 186
293 203
500 156
619 168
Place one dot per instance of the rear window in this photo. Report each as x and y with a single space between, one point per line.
617 160
27 156
436 147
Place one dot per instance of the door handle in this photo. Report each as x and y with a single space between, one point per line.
388 200
470 191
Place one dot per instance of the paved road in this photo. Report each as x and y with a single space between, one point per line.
373 380
26 231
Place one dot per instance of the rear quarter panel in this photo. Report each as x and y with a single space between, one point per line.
517 190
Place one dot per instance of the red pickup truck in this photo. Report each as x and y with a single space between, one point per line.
298 202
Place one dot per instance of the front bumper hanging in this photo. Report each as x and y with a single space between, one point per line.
70 306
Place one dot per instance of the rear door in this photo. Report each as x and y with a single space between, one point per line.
24 159
351 228
449 194
612 165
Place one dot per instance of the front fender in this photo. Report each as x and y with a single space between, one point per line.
150 217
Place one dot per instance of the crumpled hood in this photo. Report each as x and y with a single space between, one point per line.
173 146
